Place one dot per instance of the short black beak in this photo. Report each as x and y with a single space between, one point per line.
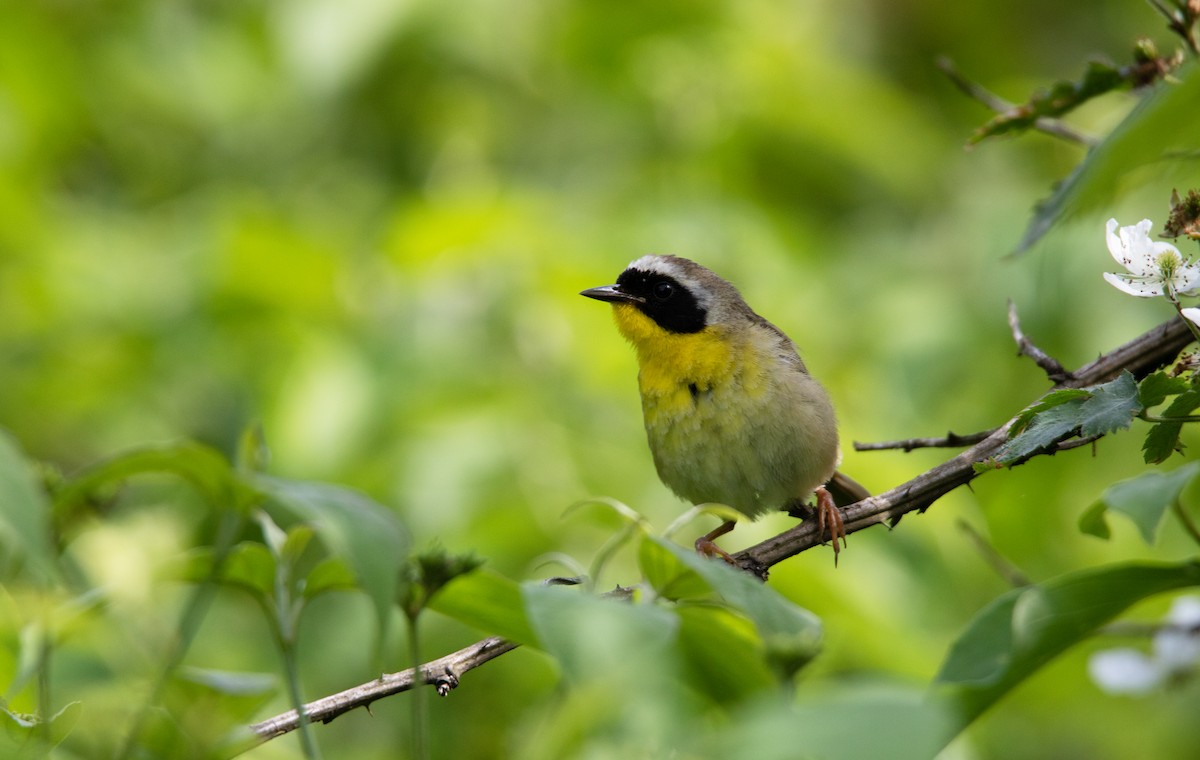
611 293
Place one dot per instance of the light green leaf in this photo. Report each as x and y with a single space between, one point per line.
201 466
487 601
791 634
25 737
595 637
363 532
1021 631
330 574
24 513
1146 498
667 575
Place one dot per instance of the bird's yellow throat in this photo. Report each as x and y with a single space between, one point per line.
670 362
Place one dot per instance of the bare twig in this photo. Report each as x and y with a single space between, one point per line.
442 673
1182 21
1140 356
1025 347
997 104
951 440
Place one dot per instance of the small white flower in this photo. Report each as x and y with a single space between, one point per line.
1125 671
1174 652
1153 267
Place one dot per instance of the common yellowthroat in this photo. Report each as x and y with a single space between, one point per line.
731 412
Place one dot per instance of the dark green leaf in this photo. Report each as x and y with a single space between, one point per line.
1161 442
1018 633
1093 522
1146 498
1112 406
1046 429
1097 410
1049 401
723 653
24 513
1149 134
363 532
489 602
1155 387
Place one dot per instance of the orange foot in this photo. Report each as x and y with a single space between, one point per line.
828 514
705 545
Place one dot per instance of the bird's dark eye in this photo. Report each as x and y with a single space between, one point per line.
663 290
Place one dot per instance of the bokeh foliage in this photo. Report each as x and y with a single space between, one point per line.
363 224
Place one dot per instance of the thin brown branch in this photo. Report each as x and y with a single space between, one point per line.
1140 356
951 440
443 674
997 104
1025 347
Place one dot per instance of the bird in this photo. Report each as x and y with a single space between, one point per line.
732 414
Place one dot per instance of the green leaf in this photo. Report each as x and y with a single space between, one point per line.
601 638
24 513
1146 498
1049 401
1046 429
667 575
791 634
1112 406
1098 78
1163 439
1155 387
1098 410
201 466
1093 523
330 574
363 532
487 601
1161 442
1021 631
26 737
833 724
251 566
723 654
1149 136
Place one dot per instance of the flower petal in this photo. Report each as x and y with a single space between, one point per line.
1192 314
1177 647
1124 671
1135 285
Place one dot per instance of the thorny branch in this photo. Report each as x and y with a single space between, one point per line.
1140 356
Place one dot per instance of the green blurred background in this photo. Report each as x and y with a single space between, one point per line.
365 224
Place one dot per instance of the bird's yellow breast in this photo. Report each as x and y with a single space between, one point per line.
673 367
